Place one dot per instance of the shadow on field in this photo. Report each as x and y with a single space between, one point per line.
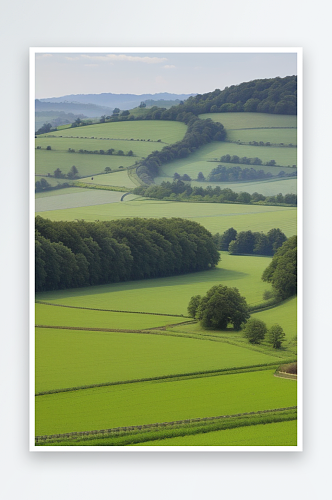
217 275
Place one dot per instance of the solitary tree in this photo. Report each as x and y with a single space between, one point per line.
222 305
255 331
275 336
108 170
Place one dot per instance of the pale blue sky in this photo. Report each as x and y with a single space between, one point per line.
60 74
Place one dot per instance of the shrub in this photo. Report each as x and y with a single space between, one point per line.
275 336
255 331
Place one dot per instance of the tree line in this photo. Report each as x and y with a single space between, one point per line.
248 242
79 253
182 191
234 174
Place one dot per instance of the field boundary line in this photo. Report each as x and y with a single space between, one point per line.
131 428
177 376
289 376
110 310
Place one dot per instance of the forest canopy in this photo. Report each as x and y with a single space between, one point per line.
79 253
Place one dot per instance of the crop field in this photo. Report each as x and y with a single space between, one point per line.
276 434
108 357
233 121
155 130
149 402
65 199
87 165
216 217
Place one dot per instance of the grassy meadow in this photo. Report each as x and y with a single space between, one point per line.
127 354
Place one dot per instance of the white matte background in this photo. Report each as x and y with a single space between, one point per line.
151 23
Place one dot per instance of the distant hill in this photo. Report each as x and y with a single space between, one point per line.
108 100
55 118
89 110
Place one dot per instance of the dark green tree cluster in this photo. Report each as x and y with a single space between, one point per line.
234 174
42 185
74 254
44 129
272 95
182 191
256 331
199 132
72 174
282 271
220 307
248 242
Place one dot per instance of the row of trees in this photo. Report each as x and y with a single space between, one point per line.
234 174
248 242
74 254
282 271
72 174
181 191
247 161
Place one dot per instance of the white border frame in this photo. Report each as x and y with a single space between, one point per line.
39 50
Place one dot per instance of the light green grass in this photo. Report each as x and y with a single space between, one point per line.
167 131
112 179
170 295
216 217
276 434
251 120
87 165
69 358
57 192
75 200
274 136
149 402
140 148
285 315
84 318
198 161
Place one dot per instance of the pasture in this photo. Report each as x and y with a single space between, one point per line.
76 358
112 179
167 131
168 295
275 434
216 217
149 402
275 136
87 165
67 199
233 121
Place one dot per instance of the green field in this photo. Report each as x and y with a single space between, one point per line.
149 402
112 179
274 136
169 295
106 357
64 199
87 165
276 434
252 120
167 131
216 217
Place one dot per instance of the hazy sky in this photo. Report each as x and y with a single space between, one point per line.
59 74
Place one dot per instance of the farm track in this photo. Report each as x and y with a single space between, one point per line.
166 378
135 428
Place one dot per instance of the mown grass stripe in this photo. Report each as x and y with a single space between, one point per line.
165 378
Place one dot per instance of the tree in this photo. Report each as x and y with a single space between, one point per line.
228 236
108 170
142 105
73 172
222 305
193 305
282 270
116 111
57 173
275 336
200 177
48 148
255 331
